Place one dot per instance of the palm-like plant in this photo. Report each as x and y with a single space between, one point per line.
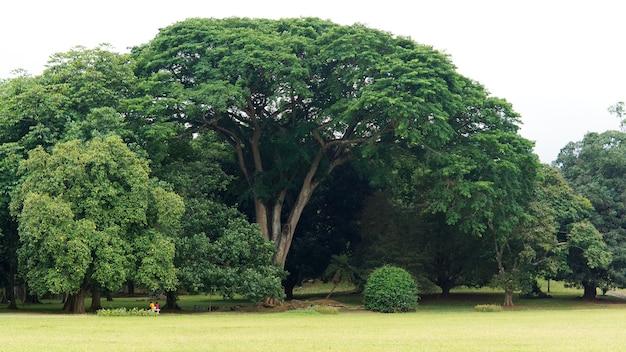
340 270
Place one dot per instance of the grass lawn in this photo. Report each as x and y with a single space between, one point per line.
562 323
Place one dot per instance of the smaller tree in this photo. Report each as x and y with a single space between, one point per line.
239 262
90 218
619 110
588 258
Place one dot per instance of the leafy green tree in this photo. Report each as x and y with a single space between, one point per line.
10 155
90 216
619 110
595 168
217 250
238 262
296 99
588 257
485 188
45 109
424 244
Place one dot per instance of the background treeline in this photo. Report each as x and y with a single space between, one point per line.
242 156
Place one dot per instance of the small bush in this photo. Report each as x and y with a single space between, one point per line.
123 312
326 309
488 308
390 289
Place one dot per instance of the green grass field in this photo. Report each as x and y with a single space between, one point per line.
563 323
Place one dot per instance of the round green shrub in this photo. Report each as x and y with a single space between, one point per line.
390 289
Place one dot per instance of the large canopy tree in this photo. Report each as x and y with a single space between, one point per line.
89 216
297 98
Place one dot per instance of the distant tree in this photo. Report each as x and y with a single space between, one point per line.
485 188
588 257
296 99
595 168
619 110
424 244
90 216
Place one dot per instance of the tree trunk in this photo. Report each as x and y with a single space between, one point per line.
95 299
131 288
9 293
30 298
332 290
10 288
4 299
289 284
589 291
171 301
260 211
109 296
21 293
445 290
75 303
285 237
508 298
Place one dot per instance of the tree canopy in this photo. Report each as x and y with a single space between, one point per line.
89 215
297 98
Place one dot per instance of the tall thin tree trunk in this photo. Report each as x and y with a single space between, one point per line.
9 293
75 303
290 283
508 298
288 287
29 297
10 289
95 299
332 290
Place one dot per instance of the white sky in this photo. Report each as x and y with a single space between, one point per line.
561 63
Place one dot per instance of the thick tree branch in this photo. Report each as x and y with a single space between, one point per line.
276 214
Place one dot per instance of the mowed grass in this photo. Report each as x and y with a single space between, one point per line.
563 323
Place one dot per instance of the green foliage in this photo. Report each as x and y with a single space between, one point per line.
123 312
488 308
584 236
83 213
390 289
296 98
237 262
595 167
619 110
435 253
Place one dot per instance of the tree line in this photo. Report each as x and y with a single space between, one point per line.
243 156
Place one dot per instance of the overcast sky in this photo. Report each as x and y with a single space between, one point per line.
561 63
